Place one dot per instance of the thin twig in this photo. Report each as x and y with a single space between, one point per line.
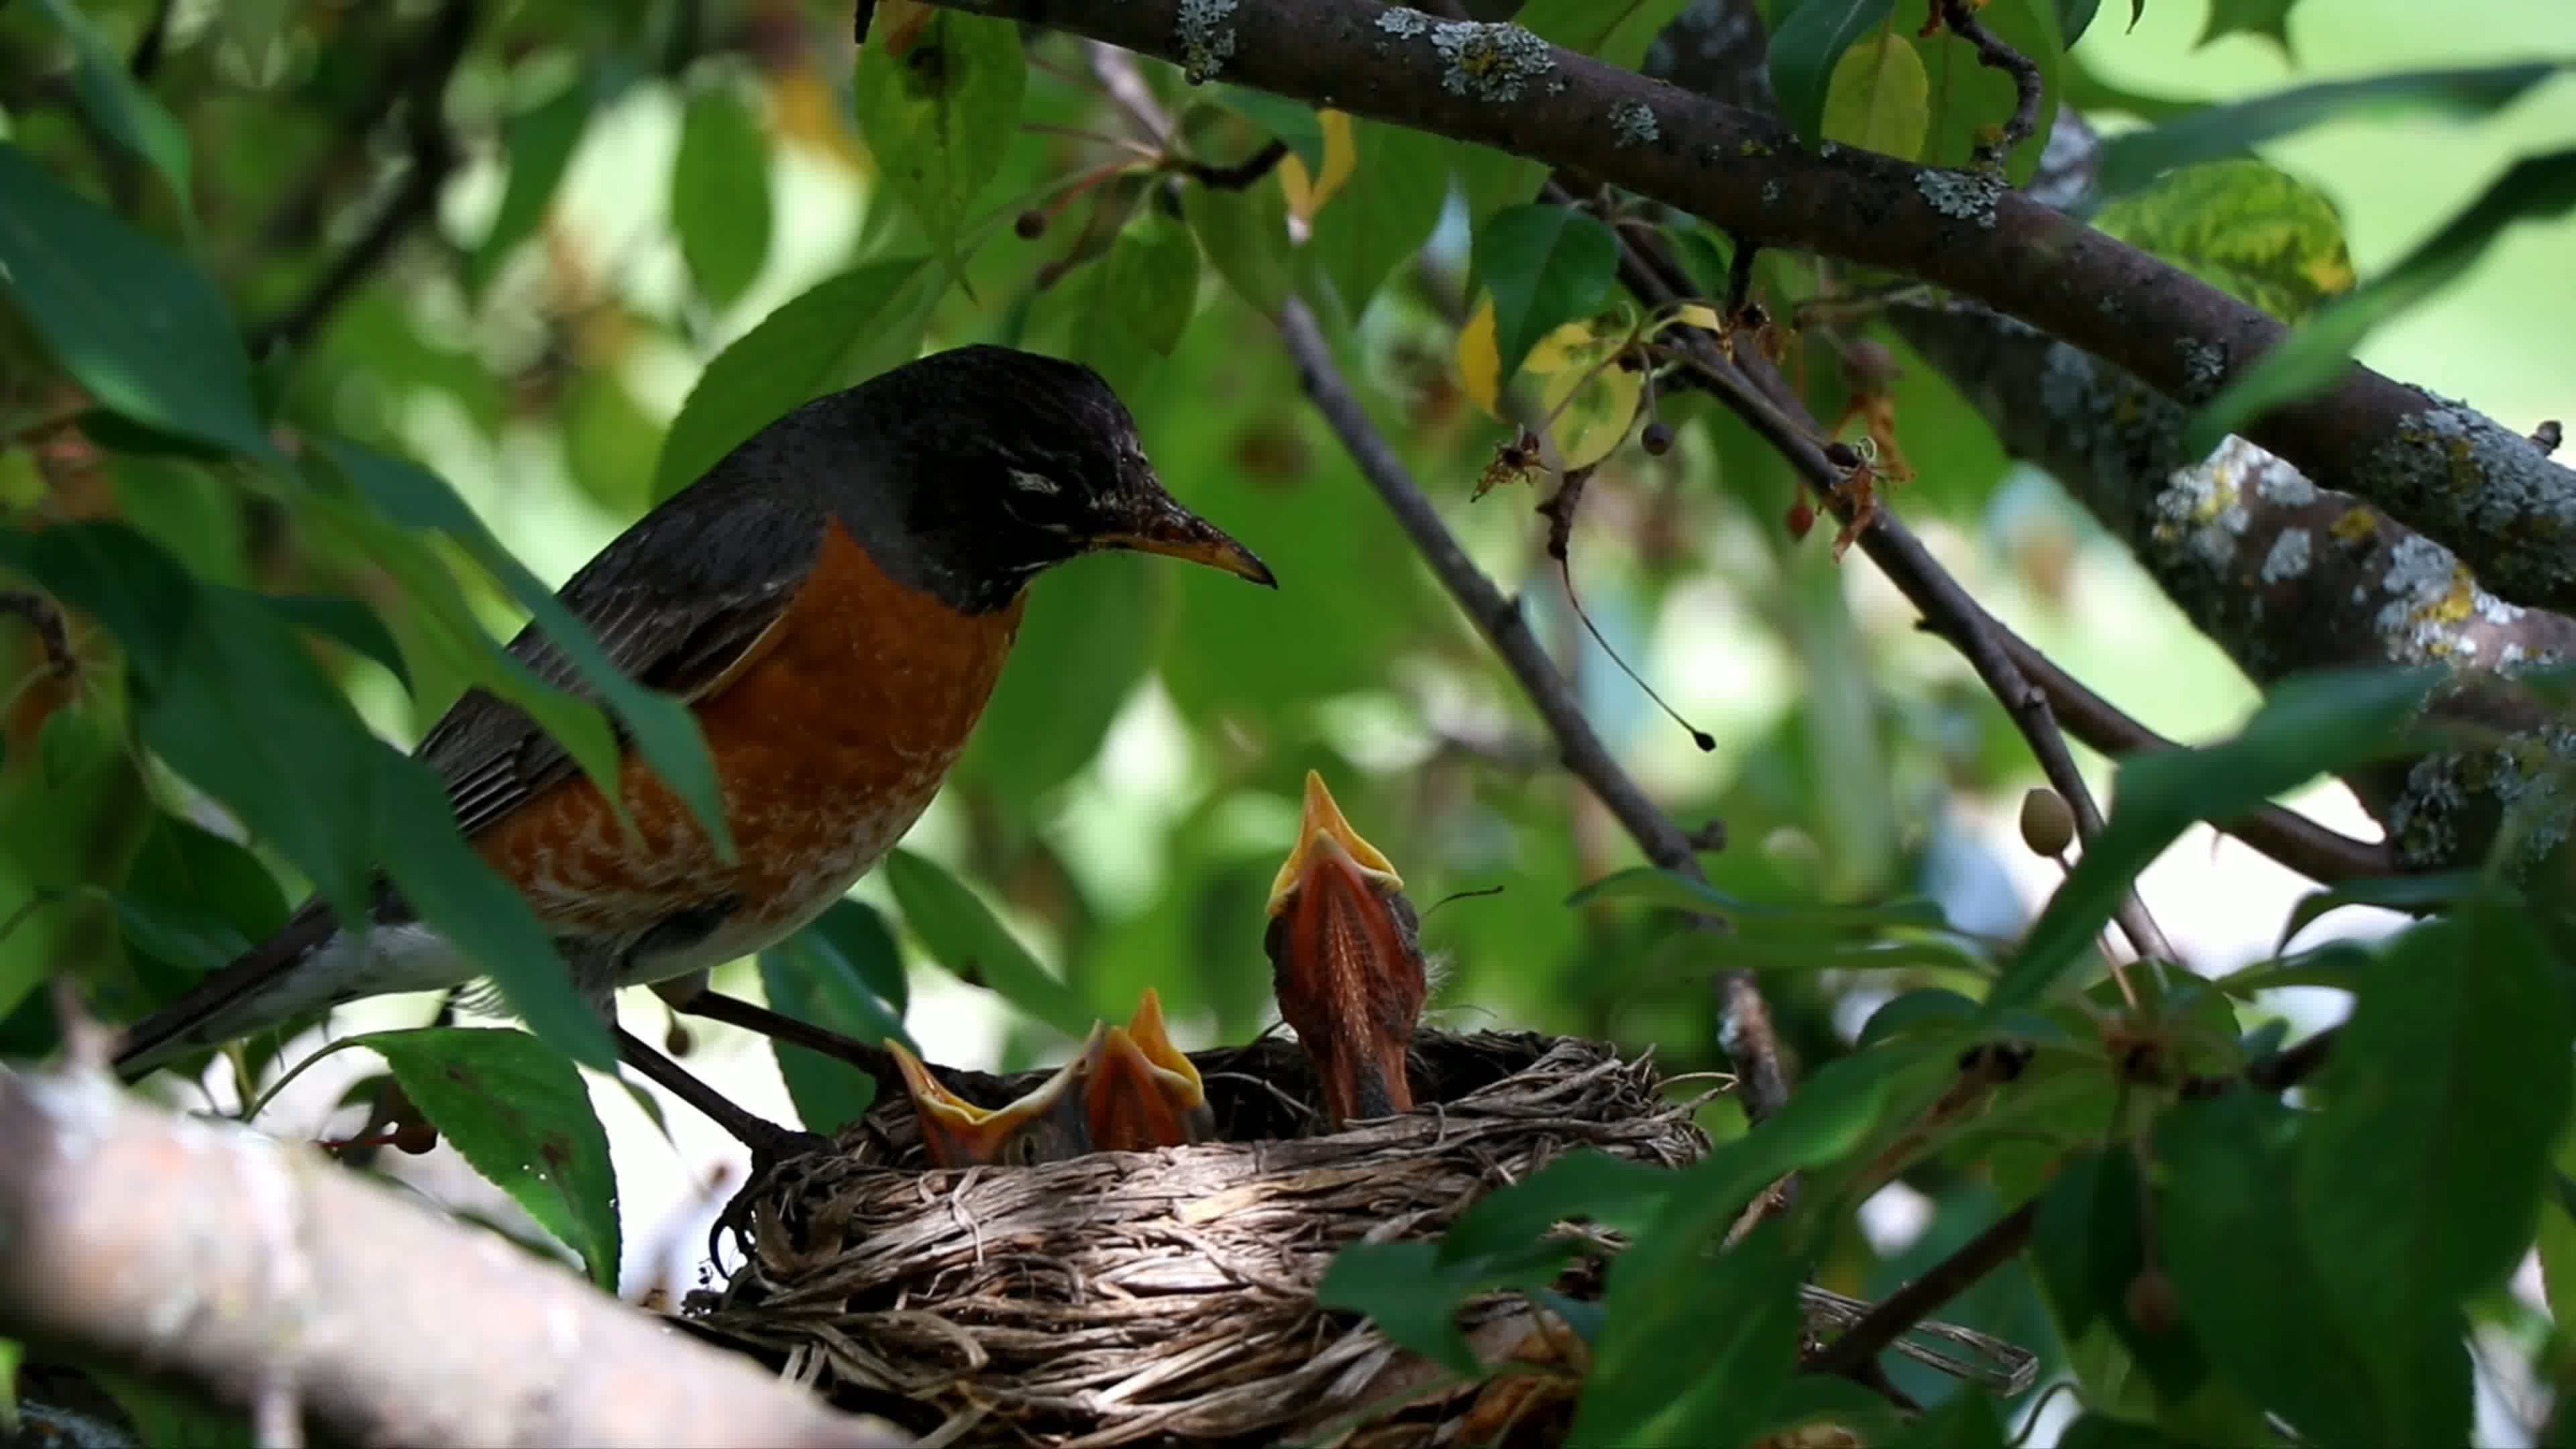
2323 855
47 621
433 157
1750 387
1243 173
1994 54
152 43
1897 1314
1745 1031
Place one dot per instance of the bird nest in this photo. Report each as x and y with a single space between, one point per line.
1119 1298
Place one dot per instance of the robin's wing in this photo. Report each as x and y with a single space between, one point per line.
679 603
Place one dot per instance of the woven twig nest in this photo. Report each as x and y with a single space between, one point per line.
1150 1297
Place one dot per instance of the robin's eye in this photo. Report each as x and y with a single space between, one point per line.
1039 483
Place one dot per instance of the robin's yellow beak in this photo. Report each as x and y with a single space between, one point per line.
1143 1093
1044 1125
1345 963
1163 526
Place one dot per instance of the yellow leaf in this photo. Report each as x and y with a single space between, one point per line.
1593 406
1567 346
1698 315
1478 359
1306 192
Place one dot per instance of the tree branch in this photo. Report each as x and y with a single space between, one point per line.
2480 488
254 1267
1745 1031
432 157
1853 1353
2323 855
1748 386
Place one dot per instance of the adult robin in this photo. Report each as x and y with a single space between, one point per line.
1346 962
834 600
1128 1090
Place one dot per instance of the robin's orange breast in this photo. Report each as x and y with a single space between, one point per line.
829 740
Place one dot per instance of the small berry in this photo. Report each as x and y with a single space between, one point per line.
1657 438
1031 225
1802 517
2047 825
415 1138
677 1041
1842 456
2152 1303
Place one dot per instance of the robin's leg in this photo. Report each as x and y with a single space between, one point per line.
768 1141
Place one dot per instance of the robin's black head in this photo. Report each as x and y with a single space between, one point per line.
980 467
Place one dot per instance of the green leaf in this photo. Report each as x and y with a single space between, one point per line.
1819 1400
2253 1295
2267 18
1806 47
519 1114
2314 724
1664 1289
1936 1006
1413 1297
2134 158
1700 1358
2338 964
720 194
1655 885
468 903
1966 1421
139 327
2311 358
2088 1241
1291 121
1614 32
539 141
345 620
2556 1238
1245 232
2245 227
2443 1098
2074 17
939 117
661 726
843 973
1149 286
124 580
1545 265
1384 213
1083 648
833 333
967 939
125 110
1880 97
1614 1192
2415 894
186 873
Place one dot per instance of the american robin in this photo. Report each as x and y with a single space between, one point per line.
1129 1090
1346 962
834 600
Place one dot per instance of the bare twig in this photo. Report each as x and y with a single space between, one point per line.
152 43
1243 173
1776 414
1745 1031
1898 1313
1994 54
2286 836
433 156
244 1265
47 621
